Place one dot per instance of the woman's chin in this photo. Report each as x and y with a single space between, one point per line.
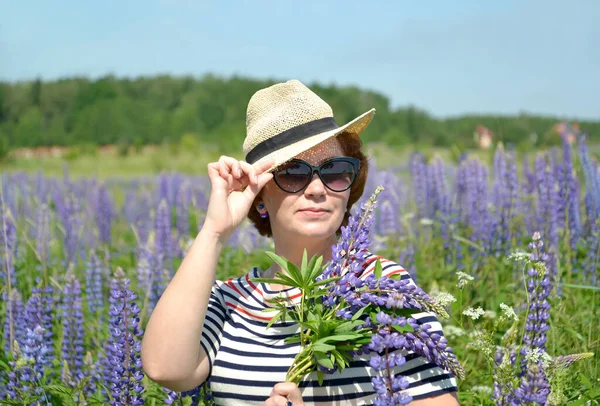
318 231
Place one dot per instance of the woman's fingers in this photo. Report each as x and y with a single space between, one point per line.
240 175
276 400
249 171
289 391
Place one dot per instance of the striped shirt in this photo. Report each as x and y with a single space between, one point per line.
247 359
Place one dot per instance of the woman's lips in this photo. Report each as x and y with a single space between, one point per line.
313 212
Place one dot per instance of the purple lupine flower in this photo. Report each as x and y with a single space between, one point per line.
173 397
182 203
39 312
442 205
14 321
73 226
478 217
504 390
152 279
592 181
460 192
590 269
72 329
8 246
94 273
547 198
8 194
500 197
418 171
389 207
163 243
349 253
42 234
538 286
534 383
42 188
528 190
104 212
163 191
27 371
422 340
513 203
122 365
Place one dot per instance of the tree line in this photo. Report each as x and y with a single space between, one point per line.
211 109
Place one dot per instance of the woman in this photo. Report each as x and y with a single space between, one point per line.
300 177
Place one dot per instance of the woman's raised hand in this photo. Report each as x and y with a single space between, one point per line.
234 186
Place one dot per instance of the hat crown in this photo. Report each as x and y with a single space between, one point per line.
279 108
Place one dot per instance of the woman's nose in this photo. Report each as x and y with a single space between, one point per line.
315 187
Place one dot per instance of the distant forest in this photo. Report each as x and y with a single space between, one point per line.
212 109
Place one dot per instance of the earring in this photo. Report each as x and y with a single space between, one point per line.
263 213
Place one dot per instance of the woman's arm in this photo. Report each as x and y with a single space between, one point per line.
171 352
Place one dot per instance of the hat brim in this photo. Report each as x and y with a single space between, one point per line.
285 154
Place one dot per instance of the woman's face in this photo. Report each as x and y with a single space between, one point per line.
314 212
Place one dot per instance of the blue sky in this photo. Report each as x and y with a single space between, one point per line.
447 57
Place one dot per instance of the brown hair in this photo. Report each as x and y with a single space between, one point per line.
352 146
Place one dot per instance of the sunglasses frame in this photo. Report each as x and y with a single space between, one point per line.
355 162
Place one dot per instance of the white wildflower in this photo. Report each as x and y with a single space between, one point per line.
536 355
463 279
520 256
509 312
474 313
489 314
481 345
445 299
486 390
474 334
451 331
426 221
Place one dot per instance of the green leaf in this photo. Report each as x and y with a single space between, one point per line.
339 359
403 329
316 270
291 269
292 339
274 319
280 279
378 269
304 262
347 326
339 337
322 347
325 281
587 287
585 381
279 260
320 377
579 402
360 312
323 360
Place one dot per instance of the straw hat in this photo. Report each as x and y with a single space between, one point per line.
288 118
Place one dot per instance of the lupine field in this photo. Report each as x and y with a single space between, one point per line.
511 248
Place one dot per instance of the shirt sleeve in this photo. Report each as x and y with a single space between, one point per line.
425 379
212 330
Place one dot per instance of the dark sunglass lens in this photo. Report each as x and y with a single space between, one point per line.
338 175
293 176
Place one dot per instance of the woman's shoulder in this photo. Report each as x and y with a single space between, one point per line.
243 281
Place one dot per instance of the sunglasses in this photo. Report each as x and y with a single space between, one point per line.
337 174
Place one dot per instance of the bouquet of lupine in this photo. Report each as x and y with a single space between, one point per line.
342 315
